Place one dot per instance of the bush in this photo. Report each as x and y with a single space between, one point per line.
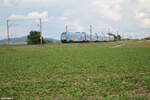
34 38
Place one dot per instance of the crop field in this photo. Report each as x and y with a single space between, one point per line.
86 71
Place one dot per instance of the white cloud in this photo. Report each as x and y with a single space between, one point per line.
143 21
146 22
143 13
31 3
144 5
77 28
14 16
10 2
43 15
109 8
125 15
32 15
73 25
1 2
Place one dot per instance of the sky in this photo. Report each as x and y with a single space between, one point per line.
124 16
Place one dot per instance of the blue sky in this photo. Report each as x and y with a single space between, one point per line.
125 16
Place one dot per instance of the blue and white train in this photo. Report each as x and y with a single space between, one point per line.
74 37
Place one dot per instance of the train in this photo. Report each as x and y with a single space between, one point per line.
78 37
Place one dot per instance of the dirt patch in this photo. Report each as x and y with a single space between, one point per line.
140 91
36 97
34 79
6 83
19 80
92 97
57 96
120 45
49 79
108 75
60 79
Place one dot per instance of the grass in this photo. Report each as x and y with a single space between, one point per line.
90 71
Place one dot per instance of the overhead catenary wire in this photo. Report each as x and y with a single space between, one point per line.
10 24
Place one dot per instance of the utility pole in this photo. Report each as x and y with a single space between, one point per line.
8 32
41 31
66 28
117 35
108 31
91 31
103 36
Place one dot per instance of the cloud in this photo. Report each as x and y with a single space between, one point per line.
10 2
76 28
73 25
14 2
32 15
143 19
14 17
1 1
143 13
123 15
33 3
108 8
43 15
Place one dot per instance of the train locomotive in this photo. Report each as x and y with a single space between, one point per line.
78 37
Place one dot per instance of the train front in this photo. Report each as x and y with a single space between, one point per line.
73 37
63 37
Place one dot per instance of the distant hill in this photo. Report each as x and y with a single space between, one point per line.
51 40
15 40
22 40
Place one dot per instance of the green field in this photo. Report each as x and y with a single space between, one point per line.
87 71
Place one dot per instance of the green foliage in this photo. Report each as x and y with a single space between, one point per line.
116 37
34 38
91 71
147 38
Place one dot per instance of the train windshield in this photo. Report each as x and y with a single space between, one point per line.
63 36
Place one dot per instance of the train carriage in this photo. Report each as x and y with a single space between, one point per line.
68 37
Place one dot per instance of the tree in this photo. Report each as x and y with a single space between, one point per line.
119 37
116 37
34 38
